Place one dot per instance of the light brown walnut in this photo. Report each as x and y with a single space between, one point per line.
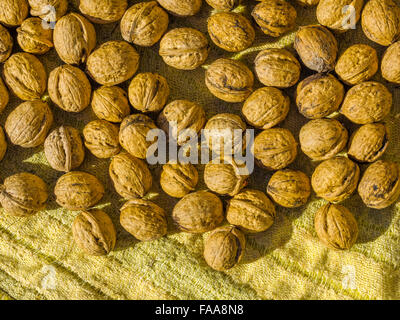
390 65
110 103
103 11
40 8
181 8
33 38
224 5
13 12
178 179
4 96
6 44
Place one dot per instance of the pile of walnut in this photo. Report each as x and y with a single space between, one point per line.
120 135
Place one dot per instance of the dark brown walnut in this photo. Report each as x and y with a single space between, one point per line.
231 31
131 176
335 179
94 232
144 24
69 88
251 210
307 3
13 12
391 63
198 212
317 48
275 148
275 17
33 38
381 21
277 68
110 103
229 80
25 76
28 124
323 139
224 248
74 38
336 226
102 139
181 8
289 188
23 194
224 5
4 96
367 102
64 149
144 220
369 142
357 64
3 144
78 190
6 44
319 95
178 179
380 185
41 8
103 11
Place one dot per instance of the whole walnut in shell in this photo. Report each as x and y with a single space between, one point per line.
25 76
181 8
94 232
224 248
23 194
103 11
184 48
224 5
6 44
64 149
231 31
42 9
110 103
391 63
28 124
144 220
251 210
78 190
229 80
3 144
13 12
178 179
335 179
336 226
33 38
4 96
69 88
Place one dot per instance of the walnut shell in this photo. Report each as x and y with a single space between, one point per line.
224 5
144 220
33 38
4 96
69 88
277 68
224 248
307 3
289 188
3 144
6 44
110 103
335 179
41 8
317 48
13 12
319 95
251 210
23 194
131 176
336 226
102 139
28 124
367 102
181 8
64 149
231 31
74 38
94 232
103 11
391 63
178 179
77 190
198 212
229 80
25 76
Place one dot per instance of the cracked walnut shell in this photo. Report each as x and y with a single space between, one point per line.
41 8
391 63
33 38
103 11
110 103
6 44
224 5
13 12
181 8
178 179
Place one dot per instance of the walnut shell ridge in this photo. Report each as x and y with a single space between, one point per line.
178 179
103 11
110 103
33 38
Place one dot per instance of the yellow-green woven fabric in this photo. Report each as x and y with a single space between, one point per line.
39 260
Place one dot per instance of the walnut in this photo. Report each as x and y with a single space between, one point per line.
335 179
144 220
33 38
391 63
289 188
94 232
103 11
110 103
275 17
178 179
308 3
317 48
181 8
319 95
113 63
69 88
13 12
6 44
77 190
380 185
101 138
28 124
4 96
3 144
275 148
251 210
144 24
277 68
381 21
367 102
23 194
64 149
25 76
336 226
231 31
131 176
224 248
229 80
41 8
74 38
322 139
224 5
